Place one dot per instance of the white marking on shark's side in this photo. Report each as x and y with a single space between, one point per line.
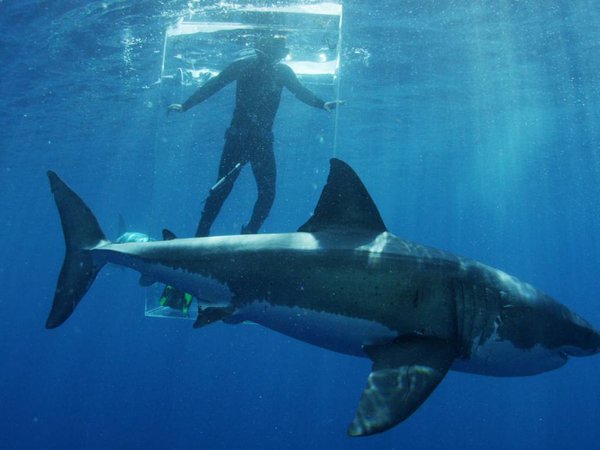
328 330
499 357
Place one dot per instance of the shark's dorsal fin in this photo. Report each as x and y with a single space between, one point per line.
344 204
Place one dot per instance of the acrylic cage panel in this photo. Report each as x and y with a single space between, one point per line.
154 308
201 44
205 41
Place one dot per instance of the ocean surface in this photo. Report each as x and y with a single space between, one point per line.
475 125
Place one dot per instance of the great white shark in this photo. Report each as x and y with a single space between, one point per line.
345 283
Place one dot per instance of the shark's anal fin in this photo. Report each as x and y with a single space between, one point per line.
210 315
404 373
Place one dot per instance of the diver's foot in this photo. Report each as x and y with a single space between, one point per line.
176 299
203 230
246 229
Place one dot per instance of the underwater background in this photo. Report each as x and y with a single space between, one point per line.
475 126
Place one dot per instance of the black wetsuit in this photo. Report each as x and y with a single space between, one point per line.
250 137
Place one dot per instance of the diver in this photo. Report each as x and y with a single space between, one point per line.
260 80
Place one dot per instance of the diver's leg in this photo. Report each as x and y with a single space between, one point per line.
174 298
232 154
265 174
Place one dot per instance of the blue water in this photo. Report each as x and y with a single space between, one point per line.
474 125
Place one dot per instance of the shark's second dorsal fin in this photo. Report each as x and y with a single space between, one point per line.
344 204
168 235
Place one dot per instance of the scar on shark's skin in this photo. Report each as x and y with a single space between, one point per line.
343 282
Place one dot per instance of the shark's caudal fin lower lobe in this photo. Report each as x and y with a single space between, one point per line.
82 232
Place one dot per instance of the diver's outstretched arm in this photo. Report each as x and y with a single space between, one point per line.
215 84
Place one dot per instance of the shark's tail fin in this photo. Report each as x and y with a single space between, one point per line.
82 232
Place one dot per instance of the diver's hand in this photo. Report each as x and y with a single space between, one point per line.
330 106
177 107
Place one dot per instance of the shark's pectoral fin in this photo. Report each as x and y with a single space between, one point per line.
404 373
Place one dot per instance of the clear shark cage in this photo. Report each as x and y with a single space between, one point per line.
205 41
200 45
